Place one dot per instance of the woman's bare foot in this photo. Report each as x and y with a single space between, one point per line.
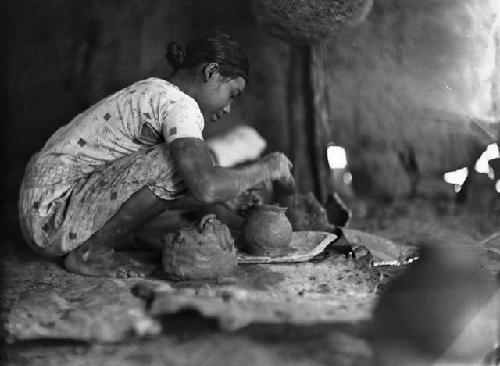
101 261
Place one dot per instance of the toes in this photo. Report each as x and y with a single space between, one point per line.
114 266
131 272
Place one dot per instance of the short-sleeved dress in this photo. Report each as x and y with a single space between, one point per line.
91 166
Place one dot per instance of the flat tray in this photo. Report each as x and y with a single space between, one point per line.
304 246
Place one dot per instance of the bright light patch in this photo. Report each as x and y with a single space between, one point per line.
497 186
337 158
491 152
456 177
491 174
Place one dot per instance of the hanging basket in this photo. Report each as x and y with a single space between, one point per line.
310 20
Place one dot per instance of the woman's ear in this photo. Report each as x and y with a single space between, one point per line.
210 70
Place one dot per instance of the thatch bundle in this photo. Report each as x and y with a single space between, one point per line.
306 20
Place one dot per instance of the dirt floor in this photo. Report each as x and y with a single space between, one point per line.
51 317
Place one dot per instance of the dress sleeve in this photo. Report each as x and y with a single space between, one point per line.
182 118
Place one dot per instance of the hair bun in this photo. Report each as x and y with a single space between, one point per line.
176 53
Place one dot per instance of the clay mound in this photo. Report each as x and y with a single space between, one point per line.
204 250
306 213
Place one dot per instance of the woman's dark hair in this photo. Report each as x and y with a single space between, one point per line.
211 47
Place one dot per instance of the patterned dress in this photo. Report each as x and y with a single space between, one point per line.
92 165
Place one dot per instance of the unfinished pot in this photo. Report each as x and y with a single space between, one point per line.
266 231
203 251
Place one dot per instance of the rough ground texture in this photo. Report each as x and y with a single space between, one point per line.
84 316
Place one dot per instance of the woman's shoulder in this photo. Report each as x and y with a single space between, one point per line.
151 86
161 88
153 82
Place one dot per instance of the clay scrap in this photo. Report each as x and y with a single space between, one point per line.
385 252
202 251
306 213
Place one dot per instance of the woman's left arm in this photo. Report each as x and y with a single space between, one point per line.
212 184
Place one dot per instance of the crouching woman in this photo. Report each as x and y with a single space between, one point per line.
136 154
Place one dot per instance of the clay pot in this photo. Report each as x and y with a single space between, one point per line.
204 250
266 231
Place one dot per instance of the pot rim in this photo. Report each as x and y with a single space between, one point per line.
270 207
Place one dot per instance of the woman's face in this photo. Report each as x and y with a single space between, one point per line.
217 93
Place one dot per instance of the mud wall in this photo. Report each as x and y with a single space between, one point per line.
63 55
407 86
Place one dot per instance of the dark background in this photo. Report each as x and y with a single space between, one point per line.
407 81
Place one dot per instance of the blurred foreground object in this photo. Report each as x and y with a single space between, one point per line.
442 310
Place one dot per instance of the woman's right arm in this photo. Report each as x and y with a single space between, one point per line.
211 184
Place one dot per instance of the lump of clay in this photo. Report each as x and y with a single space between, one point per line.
266 231
204 250
306 213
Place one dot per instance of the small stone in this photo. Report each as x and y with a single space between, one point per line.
323 288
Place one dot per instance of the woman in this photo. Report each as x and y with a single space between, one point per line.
135 154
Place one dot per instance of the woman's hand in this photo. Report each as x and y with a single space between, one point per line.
244 202
280 167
